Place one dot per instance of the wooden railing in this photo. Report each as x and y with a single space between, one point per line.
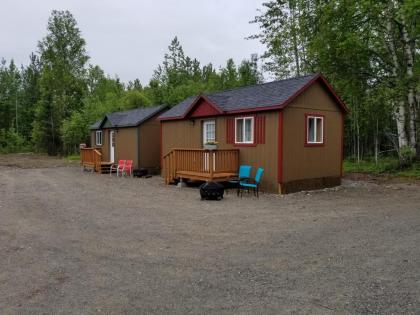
199 161
91 157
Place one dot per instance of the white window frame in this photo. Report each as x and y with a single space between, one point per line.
315 118
243 129
205 123
98 136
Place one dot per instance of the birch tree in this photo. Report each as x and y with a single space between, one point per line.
367 49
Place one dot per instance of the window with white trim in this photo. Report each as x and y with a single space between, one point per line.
244 130
209 131
314 129
98 138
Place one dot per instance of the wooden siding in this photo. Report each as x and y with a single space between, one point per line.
126 145
105 143
302 162
140 144
188 134
149 144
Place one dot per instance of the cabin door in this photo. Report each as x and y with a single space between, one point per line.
112 146
209 135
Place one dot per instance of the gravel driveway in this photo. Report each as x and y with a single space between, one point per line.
82 243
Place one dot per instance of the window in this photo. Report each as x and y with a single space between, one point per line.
314 129
99 138
209 131
244 130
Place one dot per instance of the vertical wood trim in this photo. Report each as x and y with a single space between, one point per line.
227 130
257 127
230 130
259 130
342 145
161 146
263 131
138 154
280 149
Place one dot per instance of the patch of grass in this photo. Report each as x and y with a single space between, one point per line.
412 171
74 157
385 166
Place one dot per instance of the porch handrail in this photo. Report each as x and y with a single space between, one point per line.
91 156
200 161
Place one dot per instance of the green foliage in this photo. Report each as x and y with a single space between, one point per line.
134 99
389 166
180 76
368 165
62 82
74 131
286 26
407 155
30 95
10 80
51 103
349 42
73 157
11 141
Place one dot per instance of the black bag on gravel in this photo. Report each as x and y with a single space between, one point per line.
140 172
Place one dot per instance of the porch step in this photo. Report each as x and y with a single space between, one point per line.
105 167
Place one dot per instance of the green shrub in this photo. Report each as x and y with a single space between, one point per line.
407 156
12 142
74 131
387 165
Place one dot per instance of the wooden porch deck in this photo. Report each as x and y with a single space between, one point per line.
198 164
223 176
91 158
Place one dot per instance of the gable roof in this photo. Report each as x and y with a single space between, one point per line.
129 118
267 96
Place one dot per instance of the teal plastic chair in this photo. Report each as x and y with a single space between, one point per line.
244 173
254 185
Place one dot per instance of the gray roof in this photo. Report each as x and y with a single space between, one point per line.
96 125
249 97
129 118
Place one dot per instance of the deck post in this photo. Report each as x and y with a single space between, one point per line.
181 183
211 156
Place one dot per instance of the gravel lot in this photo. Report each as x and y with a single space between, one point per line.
82 243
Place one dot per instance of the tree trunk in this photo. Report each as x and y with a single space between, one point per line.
410 93
399 116
358 139
52 152
399 110
292 7
376 141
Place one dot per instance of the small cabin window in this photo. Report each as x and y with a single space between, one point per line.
209 131
244 130
98 138
314 129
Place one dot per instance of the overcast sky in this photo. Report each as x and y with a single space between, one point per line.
128 38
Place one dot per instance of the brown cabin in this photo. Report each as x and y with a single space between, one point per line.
292 128
129 135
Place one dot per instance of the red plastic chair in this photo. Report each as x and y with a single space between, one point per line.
119 168
128 168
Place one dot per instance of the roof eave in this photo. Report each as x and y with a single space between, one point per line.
157 112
